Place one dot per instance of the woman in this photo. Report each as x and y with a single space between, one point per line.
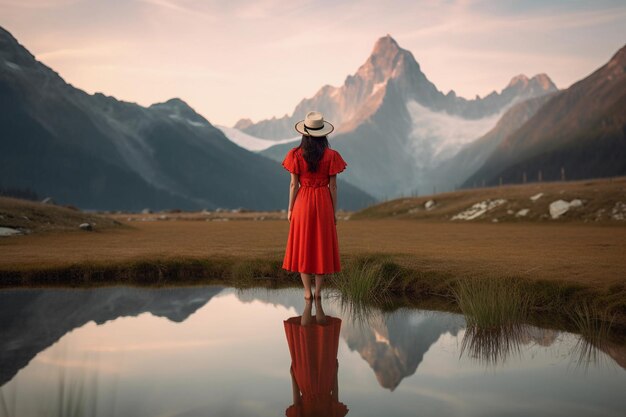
313 344
312 246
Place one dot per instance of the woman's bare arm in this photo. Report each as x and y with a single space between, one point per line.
294 186
333 193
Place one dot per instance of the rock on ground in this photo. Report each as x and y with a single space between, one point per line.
9 231
560 207
479 209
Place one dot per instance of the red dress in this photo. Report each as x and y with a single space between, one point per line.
313 350
312 245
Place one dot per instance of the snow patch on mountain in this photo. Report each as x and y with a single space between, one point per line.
250 142
377 87
437 136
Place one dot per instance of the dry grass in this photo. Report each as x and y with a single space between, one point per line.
590 256
599 197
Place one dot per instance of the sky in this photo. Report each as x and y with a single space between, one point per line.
257 59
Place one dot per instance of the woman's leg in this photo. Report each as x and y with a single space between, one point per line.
320 316
319 281
306 282
306 314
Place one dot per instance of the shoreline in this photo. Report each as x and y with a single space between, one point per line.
411 288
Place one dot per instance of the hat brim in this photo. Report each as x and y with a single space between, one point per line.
328 127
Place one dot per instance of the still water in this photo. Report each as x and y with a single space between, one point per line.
216 351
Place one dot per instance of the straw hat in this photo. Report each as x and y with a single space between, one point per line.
314 125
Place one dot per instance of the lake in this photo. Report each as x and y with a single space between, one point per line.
214 351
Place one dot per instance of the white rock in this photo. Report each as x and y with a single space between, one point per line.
619 211
9 231
522 213
85 226
478 209
536 197
430 204
575 203
146 211
558 208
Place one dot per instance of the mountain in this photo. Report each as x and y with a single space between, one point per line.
581 129
394 127
97 152
361 94
454 171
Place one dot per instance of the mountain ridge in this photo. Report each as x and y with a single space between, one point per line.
354 101
97 152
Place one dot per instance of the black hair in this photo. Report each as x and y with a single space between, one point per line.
313 150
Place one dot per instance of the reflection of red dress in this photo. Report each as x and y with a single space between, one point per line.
313 349
312 245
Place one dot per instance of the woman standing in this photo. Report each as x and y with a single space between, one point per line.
312 246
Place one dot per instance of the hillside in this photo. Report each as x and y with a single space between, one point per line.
581 129
599 201
27 217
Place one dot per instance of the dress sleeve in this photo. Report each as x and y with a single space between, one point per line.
291 162
337 164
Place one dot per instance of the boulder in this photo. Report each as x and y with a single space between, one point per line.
9 231
86 226
558 208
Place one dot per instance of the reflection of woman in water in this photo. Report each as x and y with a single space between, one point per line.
313 344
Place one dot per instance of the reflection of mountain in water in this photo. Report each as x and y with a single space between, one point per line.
395 345
32 320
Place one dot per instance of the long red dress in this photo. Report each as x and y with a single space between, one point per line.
312 245
313 350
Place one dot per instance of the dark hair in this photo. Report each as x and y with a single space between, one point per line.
313 150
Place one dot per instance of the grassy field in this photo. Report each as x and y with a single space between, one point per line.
588 255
